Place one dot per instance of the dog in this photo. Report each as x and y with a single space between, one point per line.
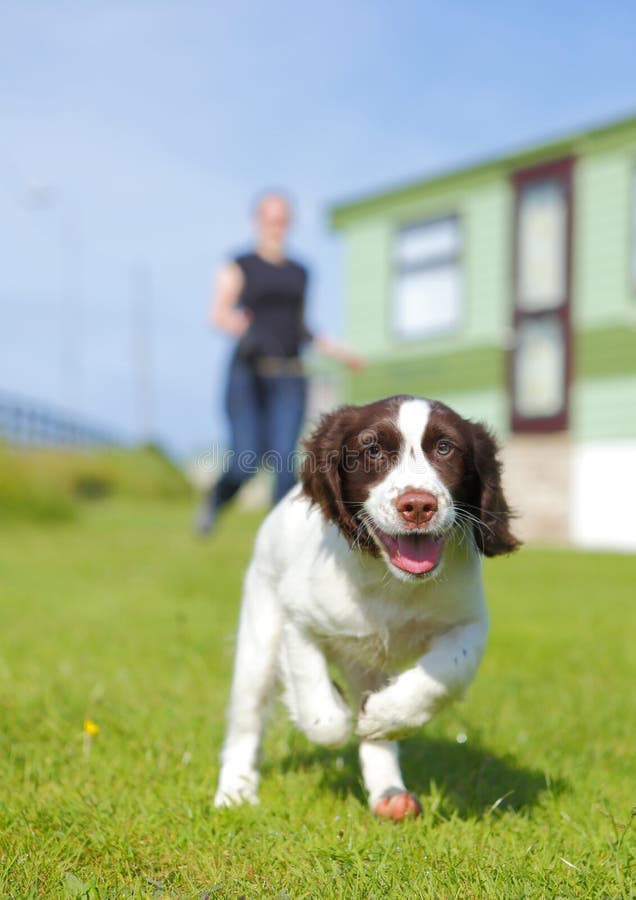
371 564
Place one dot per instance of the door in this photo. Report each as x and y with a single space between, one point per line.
540 359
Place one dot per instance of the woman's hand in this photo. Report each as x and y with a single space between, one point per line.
224 312
237 322
354 362
340 352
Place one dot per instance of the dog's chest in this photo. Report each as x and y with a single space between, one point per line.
387 650
375 628
362 615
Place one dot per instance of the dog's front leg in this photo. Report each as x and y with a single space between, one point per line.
255 668
441 675
314 703
379 760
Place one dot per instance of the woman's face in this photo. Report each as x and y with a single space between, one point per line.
273 218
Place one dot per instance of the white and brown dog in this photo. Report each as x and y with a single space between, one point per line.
372 564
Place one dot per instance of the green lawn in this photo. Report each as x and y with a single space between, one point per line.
121 617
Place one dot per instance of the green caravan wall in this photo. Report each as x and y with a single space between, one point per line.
470 359
604 296
468 368
605 409
603 291
367 257
484 212
603 235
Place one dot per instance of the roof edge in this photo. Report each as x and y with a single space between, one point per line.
341 212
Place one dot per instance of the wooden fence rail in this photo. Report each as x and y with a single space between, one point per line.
27 422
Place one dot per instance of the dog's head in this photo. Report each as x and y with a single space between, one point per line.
401 476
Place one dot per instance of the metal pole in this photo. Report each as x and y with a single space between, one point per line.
42 198
143 352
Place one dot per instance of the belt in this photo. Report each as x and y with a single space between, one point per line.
272 366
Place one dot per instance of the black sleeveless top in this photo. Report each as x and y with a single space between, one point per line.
274 295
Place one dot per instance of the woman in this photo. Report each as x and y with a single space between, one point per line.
260 300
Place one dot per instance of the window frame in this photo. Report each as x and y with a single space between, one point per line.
562 169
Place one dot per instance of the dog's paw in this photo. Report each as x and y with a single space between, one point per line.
381 719
329 729
397 804
237 788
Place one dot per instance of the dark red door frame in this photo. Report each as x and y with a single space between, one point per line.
559 169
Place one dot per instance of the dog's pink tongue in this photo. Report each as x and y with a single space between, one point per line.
417 553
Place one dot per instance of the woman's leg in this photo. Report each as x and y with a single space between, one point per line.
244 409
286 399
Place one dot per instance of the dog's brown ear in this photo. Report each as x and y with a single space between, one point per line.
493 535
320 471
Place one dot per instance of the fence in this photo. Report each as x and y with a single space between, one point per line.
27 422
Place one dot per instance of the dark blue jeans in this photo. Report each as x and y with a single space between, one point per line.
266 414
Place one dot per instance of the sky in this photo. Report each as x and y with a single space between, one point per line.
135 133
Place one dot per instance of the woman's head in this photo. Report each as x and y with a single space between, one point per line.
273 214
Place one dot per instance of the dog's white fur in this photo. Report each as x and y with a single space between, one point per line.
414 643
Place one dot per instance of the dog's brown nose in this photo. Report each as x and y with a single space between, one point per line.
416 507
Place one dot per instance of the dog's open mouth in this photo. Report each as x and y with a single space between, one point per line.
415 553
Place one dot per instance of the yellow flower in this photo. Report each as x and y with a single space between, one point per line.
91 728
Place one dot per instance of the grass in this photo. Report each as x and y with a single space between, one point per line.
121 617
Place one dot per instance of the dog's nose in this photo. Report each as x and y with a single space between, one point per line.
416 507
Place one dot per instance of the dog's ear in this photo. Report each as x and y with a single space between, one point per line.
320 471
493 535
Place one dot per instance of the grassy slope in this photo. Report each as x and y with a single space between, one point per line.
47 484
122 617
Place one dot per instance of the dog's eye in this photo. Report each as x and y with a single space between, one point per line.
444 448
374 451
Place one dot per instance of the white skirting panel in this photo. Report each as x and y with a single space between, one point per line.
603 498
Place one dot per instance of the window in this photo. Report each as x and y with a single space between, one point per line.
540 368
542 246
427 279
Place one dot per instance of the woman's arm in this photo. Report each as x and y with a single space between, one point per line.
224 313
340 352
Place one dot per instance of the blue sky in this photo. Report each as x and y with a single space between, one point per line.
152 124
